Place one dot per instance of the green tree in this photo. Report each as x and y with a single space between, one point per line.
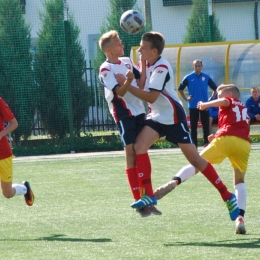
51 72
199 25
16 76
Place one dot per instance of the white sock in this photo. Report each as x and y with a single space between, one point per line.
186 172
241 194
19 189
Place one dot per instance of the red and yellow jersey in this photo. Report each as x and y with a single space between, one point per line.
233 120
6 115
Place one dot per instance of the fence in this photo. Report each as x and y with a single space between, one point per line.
97 119
54 92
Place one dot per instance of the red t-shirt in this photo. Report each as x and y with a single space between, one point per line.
233 120
6 115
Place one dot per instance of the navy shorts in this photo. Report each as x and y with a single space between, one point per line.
129 128
175 133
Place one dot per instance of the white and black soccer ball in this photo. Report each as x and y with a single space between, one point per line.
132 22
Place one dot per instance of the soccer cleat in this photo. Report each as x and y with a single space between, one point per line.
144 212
29 197
145 201
155 211
240 226
232 207
164 189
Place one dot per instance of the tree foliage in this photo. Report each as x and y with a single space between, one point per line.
16 76
199 25
51 72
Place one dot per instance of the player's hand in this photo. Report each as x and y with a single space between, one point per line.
257 117
120 79
211 137
141 57
130 75
201 105
189 98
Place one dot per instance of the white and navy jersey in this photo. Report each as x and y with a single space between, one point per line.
167 109
128 105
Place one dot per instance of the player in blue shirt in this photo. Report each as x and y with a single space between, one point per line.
253 105
197 83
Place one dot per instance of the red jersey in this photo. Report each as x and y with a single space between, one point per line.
233 120
6 115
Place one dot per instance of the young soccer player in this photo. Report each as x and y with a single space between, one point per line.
230 141
166 118
127 110
10 190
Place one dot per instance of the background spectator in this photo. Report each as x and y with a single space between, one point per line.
197 83
253 105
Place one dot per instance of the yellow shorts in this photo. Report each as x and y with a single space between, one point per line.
6 169
236 149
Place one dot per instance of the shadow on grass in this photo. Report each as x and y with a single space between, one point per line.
62 238
238 243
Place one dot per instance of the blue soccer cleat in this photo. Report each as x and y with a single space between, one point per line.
145 201
232 207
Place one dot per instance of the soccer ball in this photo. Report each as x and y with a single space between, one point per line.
132 22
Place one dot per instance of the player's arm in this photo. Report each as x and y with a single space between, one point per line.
122 88
213 86
181 88
214 93
148 96
13 124
142 68
221 102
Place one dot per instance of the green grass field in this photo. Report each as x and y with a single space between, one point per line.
82 211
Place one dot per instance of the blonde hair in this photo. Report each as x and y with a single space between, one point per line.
229 88
106 39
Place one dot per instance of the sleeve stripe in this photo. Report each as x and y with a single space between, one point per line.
162 66
104 69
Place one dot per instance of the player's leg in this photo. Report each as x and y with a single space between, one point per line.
204 117
182 175
194 118
10 190
210 154
144 140
128 128
241 194
130 170
210 173
239 161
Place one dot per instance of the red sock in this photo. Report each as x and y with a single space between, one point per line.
144 170
133 182
211 174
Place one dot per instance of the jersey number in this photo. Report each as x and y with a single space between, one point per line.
240 115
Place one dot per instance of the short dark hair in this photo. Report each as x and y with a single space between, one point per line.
155 39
